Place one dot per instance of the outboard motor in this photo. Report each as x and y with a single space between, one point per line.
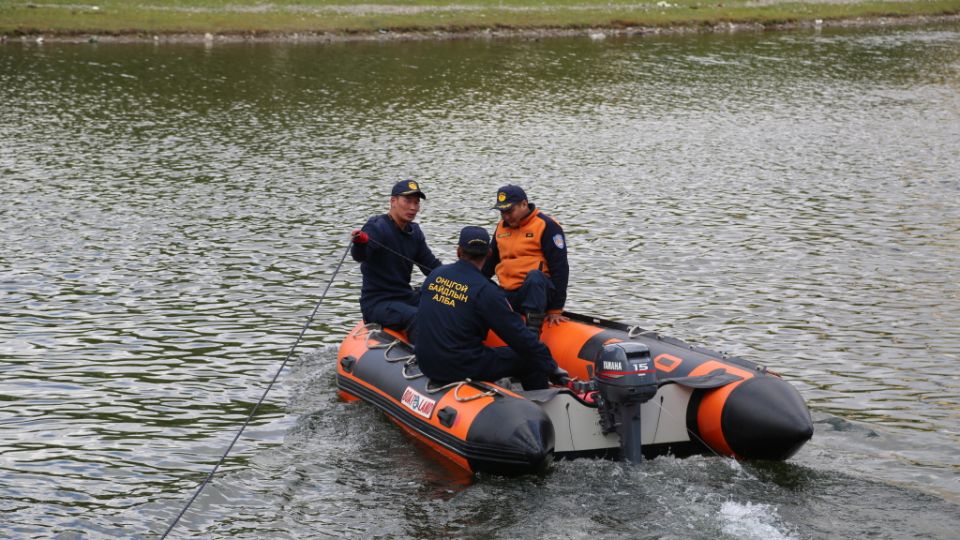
626 377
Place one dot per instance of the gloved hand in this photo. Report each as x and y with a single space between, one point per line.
359 237
559 377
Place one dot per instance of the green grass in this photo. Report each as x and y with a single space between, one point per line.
69 17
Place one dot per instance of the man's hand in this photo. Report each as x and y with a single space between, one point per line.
359 237
553 319
559 377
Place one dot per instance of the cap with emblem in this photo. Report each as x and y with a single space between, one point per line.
509 195
407 187
474 240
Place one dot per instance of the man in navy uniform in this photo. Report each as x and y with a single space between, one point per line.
458 306
387 247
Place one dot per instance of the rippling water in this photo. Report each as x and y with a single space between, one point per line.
171 215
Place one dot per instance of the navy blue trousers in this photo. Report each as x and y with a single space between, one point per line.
533 295
501 362
397 315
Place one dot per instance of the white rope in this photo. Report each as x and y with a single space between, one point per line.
636 331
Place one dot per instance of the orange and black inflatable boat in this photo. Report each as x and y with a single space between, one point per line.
634 394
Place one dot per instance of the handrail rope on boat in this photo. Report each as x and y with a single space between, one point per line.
411 362
367 328
389 347
371 344
381 345
635 331
434 389
488 392
407 359
362 331
402 358
366 331
410 359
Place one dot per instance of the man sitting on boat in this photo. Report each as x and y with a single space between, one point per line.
529 256
458 307
386 248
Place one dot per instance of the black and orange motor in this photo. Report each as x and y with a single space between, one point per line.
625 377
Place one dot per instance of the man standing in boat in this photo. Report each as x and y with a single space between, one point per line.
387 247
529 256
458 307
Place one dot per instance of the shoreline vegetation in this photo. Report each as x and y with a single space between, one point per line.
337 20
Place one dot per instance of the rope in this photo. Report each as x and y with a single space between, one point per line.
484 392
391 250
257 406
636 331
365 330
409 360
656 428
434 389
690 431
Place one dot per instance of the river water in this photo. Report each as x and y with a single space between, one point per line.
171 214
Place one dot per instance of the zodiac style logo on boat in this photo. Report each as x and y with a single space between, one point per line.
417 402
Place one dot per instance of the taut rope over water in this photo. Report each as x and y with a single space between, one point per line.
257 406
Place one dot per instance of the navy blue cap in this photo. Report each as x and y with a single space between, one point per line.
509 195
407 187
474 240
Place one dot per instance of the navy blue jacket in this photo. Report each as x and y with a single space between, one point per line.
386 275
458 306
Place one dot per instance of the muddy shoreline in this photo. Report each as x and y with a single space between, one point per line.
479 33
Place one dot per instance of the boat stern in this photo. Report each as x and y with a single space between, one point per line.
510 437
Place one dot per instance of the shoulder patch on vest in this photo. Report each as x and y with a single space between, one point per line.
558 241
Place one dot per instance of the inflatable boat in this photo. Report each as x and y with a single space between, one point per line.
633 394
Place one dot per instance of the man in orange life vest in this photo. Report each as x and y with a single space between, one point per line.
387 248
529 256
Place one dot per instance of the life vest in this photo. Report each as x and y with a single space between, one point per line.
521 248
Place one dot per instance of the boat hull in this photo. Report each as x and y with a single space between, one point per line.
480 427
748 413
706 403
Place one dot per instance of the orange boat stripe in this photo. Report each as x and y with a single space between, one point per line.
493 340
347 397
710 412
396 334
442 450
565 342
467 411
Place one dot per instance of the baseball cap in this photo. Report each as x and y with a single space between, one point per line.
474 240
509 195
407 187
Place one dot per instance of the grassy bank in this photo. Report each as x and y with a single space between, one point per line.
277 17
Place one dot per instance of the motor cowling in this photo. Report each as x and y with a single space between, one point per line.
625 377
625 373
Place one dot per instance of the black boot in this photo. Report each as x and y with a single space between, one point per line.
535 322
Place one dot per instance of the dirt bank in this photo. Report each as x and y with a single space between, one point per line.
596 33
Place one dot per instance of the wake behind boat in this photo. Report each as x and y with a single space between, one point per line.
633 394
